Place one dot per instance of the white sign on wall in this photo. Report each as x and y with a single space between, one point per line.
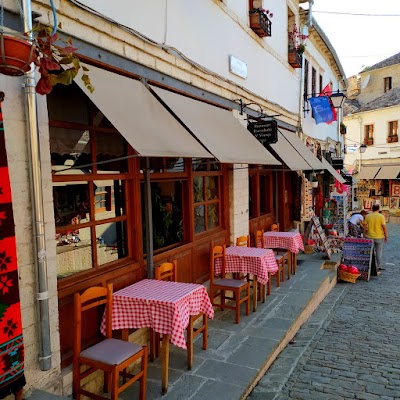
237 67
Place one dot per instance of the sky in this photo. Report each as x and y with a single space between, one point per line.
360 40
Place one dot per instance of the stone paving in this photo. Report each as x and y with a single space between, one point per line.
350 347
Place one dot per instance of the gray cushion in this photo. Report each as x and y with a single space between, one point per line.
233 283
111 351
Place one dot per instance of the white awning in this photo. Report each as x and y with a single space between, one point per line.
388 172
303 150
146 125
218 130
289 155
368 172
327 165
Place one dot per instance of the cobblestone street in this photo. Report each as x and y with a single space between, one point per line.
350 347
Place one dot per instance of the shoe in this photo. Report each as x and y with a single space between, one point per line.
378 273
381 269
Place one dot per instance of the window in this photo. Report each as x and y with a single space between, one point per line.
313 82
387 83
320 84
260 189
89 187
306 67
392 134
369 134
206 195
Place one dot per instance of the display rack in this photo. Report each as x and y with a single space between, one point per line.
340 223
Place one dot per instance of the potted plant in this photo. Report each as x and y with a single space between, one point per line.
259 21
296 47
53 56
314 180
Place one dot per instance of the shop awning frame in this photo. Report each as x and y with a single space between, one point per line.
368 172
388 172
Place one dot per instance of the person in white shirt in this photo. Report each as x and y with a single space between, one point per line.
355 224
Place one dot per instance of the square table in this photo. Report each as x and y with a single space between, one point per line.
291 241
249 260
165 307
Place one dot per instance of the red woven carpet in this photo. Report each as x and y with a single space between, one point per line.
11 341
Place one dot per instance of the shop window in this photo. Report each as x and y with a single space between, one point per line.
206 196
369 134
167 214
163 165
89 187
387 83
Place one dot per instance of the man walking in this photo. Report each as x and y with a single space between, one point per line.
375 228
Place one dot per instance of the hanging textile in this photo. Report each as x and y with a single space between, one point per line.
12 377
327 91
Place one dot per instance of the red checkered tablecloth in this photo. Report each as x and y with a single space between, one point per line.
249 260
164 306
291 241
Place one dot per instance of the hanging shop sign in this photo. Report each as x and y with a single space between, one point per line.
265 132
337 162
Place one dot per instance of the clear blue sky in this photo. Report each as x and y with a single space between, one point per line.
360 40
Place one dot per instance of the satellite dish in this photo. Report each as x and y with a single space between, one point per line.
365 82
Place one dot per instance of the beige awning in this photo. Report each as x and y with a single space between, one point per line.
327 165
146 125
218 130
303 150
388 172
289 155
368 172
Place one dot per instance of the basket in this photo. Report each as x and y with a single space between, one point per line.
308 249
347 277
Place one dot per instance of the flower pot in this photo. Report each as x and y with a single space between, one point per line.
16 55
295 58
314 184
395 139
260 23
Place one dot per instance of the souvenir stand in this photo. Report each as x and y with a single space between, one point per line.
338 230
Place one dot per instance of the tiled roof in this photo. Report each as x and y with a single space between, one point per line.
351 106
385 63
389 99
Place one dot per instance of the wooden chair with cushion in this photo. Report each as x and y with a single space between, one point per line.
167 271
263 289
112 356
219 286
243 241
283 252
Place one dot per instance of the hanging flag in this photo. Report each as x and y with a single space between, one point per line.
321 108
327 91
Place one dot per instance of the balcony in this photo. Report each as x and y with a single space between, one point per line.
260 23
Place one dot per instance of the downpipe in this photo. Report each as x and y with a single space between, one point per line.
35 172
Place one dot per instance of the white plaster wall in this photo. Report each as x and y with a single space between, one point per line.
17 153
208 32
380 150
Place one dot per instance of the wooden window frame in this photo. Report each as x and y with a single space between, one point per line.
369 134
255 174
313 82
387 84
306 79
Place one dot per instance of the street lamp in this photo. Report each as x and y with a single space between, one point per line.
362 148
337 99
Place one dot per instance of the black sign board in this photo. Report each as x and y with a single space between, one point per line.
358 252
264 131
337 163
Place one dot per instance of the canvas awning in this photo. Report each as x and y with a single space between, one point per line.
146 125
289 155
218 130
388 172
368 172
327 165
303 150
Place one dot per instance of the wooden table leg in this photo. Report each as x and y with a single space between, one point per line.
289 270
18 395
254 293
165 363
294 262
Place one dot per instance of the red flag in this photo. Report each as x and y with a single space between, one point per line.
327 91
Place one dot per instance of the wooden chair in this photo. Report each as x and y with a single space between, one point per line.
112 356
282 252
243 241
219 286
167 272
263 289
281 260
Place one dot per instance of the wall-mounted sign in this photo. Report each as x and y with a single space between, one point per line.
264 131
337 163
237 67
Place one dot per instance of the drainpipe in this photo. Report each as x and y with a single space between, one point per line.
32 128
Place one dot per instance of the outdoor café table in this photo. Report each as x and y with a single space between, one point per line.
291 241
164 306
249 260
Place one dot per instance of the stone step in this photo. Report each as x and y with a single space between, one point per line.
41 395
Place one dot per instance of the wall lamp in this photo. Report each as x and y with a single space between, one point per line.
260 111
362 148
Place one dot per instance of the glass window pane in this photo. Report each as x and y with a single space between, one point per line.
74 252
71 205
198 185
251 203
212 216
68 103
175 165
167 208
199 222
211 187
110 147
111 242
264 198
205 164
70 148
109 199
